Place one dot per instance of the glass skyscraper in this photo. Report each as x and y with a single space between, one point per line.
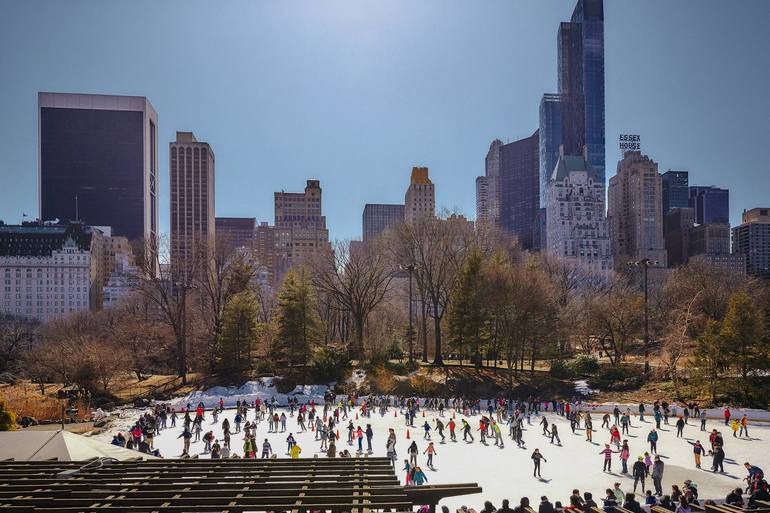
676 193
550 139
711 204
379 217
97 162
581 83
520 189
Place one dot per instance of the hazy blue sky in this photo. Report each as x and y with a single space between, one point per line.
356 92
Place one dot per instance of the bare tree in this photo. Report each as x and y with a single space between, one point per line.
357 279
613 314
677 341
137 325
172 291
16 336
63 350
229 271
436 248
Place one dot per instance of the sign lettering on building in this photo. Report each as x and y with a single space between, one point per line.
630 142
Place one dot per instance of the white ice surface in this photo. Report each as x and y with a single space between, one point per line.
507 473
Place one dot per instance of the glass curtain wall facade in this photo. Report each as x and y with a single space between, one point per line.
711 204
550 139
97 157
675 190
520 188
581 83
379 217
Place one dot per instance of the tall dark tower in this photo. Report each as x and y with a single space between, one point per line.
97 162
581 83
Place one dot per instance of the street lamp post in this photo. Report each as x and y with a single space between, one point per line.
410 334
184 288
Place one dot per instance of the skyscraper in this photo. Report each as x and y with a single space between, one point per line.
482 198
635 210
575 222
550 139
97 162
235 232
264 248
677 226
751 239
675 190
191 170
300 227
378 217
581 83
711 204
420 197
520 188
488 186
710 243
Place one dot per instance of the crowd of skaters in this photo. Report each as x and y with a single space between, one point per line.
496 416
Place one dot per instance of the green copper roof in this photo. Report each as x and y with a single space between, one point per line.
569 163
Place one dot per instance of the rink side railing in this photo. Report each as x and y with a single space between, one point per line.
354 485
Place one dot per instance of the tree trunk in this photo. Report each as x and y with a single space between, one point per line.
424 328
534 355
438 359
510 373
181 347
359 342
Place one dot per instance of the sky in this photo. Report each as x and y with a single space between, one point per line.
356 92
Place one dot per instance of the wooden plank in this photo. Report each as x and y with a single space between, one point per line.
358 485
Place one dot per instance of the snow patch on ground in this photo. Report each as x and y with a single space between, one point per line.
582 388
357 378
263 389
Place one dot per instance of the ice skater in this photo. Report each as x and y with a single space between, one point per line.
639 471
555 434
430 451
607 452
413 452
440 429
467 431
536 457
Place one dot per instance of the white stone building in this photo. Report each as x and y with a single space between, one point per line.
48 271
576 225
122 282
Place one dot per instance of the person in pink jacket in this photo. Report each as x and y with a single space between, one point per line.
625 453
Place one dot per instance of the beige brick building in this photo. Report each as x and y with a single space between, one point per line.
300 227
420 198
635 210
191 170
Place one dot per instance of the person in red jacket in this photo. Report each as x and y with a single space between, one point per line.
712 439
136 432
727 416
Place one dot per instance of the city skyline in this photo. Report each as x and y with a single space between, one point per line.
363 159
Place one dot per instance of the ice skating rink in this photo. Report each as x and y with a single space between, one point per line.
507 472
